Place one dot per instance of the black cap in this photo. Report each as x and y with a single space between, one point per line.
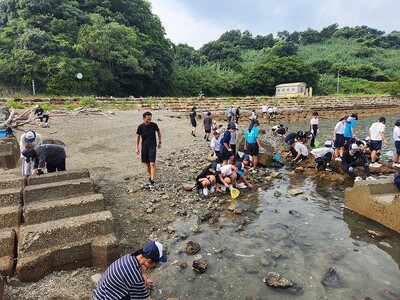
382 119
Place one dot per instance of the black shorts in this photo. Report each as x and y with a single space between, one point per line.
376 145
226 155
339 141
397 145
253 149
207 130
149 154
194 123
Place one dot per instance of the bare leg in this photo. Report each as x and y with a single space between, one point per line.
255 161
152 170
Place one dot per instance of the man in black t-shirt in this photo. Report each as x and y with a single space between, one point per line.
147 131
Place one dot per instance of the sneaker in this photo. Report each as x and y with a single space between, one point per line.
205 191
371 178
328 168
212 189
338 158
223 189
375 165
241 185
358 178
151 183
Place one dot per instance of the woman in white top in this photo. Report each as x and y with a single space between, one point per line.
396 138
29 140
314 128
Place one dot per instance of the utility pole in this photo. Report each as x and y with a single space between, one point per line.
33 87
337 85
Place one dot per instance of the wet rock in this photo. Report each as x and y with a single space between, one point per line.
200 265
376 234
250 270
276 175
299 170
182 236
276 281
265 262
277 193
232 207
13 281
196 229
294 192
294 213
192 248
188 186
331 278
182 265
214 219
219 250
304 198
238 211
204 216
170 229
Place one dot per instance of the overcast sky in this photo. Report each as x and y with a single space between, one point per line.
196 22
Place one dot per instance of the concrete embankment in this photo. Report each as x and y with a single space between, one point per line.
53 222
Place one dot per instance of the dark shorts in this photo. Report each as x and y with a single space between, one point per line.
339 141
253 149
397 145
376 145
59 166
207 130
149 154
194 123
225 154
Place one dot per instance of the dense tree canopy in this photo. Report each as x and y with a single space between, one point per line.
120 48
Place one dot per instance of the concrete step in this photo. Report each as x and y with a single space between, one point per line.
11 182
58 190
39 212
58 176
10 197
100 252
7 251
10 216
60 233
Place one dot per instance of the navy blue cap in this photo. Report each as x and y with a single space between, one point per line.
154 251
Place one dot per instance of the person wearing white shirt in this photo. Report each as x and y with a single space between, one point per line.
29 140
314 128
338 138
396 138
376 134
323 156
215 145
264 110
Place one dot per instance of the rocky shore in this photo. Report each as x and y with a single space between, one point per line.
106 147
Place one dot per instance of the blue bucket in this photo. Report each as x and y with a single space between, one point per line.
3 133
277 157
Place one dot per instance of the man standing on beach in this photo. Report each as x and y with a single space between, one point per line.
147 131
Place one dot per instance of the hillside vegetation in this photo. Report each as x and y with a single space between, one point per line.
120 48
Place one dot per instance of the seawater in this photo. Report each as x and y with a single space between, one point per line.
301 246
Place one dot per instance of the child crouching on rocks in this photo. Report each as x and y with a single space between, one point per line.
208 179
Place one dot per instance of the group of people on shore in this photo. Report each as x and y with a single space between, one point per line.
344 146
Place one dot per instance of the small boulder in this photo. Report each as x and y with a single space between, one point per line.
192 248
200 265
331 278
294 192
276 281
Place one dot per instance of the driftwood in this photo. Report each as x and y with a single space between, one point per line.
28 116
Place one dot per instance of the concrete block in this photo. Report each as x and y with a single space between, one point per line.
61 233
57 190
7 251
39 212
9 153
58 176
11 182
10 197
105 251
378 200
10 216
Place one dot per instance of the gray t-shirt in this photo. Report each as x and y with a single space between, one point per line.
300 147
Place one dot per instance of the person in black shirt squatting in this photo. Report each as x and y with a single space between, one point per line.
125 279
147 131
40 113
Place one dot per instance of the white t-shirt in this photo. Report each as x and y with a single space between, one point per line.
22 144
375 131
226 170
300 147
264 108
314 121
396 133
321 152
216 143
340 127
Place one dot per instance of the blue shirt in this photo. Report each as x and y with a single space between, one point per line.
251 137
230 112
123 278
226 139
349 126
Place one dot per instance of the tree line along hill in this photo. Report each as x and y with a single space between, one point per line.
121 49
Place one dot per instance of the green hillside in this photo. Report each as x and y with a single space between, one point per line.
120 48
